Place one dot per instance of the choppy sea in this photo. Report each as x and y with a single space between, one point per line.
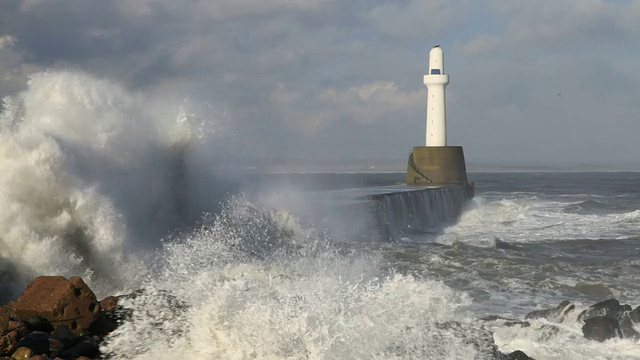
97 182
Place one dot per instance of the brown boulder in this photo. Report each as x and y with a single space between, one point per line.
22 353
11 329
7 344
9 341
60 301
109 304
5 317
108 318
6 312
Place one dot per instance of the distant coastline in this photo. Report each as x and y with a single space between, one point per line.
399 166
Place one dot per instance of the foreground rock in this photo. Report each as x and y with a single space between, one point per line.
55 318
60 302
601 328
609 319
602 321
481 339
58 318
516 355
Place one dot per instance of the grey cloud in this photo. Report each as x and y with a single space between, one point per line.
7 41
413 19
69 30
552 25
291 74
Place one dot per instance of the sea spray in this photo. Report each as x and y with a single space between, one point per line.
527 218
298 297
92 177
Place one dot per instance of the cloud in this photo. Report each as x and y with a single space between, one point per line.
340 78
380 101
416 18
250 8
6 41
547 23
380 92
631 17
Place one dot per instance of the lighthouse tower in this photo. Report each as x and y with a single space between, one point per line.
436 163
436 81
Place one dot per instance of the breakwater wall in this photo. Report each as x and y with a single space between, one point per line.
418 209
390 212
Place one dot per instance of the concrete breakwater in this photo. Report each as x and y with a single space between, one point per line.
393 211
420 209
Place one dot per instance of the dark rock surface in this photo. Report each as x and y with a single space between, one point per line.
516 355
601 328
609 308
609 319
86 347
602 321
64 336
37 342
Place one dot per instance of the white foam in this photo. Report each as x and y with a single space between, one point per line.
519 217
305 301
88 176
550 340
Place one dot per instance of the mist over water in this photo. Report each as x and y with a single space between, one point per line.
93 175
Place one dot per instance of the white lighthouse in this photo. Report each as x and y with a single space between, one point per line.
437 164
436 81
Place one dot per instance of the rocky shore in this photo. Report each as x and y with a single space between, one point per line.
602 321
58 318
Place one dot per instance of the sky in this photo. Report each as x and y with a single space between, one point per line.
545 82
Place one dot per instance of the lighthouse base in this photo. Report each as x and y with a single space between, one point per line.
437 165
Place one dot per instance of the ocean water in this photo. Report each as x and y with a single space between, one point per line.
135 191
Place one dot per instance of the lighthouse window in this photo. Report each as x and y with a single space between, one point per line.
435 71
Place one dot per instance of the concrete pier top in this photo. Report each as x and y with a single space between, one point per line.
358 195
